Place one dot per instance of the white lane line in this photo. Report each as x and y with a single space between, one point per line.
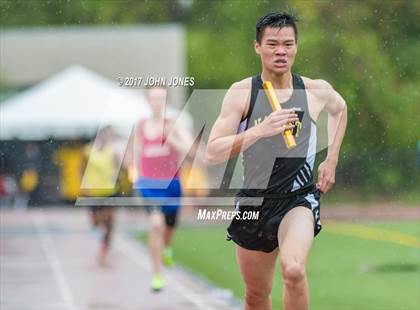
44 238
132 252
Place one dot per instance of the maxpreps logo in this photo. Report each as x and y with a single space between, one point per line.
219 214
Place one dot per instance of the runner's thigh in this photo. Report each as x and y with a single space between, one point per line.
295 235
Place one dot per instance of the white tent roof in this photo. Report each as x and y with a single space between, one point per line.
69 105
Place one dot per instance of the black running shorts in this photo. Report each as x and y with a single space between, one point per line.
261 234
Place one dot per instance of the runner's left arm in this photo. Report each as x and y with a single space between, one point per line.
336 108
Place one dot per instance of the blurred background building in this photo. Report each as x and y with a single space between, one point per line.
64 82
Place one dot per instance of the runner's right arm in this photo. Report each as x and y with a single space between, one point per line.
224 142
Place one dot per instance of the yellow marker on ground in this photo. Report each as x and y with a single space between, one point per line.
373 233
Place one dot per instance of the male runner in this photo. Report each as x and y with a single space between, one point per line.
289 213
99 178
159 147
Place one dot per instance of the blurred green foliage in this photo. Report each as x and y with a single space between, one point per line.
368 50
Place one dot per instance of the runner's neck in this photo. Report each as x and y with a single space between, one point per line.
284 81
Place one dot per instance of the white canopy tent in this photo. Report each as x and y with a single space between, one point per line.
72 104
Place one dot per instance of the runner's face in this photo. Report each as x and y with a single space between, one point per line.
157 100
277 49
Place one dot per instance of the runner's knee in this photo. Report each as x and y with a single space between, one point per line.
156 222
255 296
293 273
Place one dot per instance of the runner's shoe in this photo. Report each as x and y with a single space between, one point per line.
157 283
103 255
168 257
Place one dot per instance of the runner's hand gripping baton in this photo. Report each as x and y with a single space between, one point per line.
275 106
